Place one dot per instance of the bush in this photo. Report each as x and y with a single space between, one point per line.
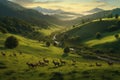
98 35
47 44
116 36
66 50
11 42
117 16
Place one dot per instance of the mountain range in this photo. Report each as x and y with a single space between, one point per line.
60 14
11 9
94 10
42 18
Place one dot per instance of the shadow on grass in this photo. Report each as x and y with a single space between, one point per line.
57 76
65 55
2 48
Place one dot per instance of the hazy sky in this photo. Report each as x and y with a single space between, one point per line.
70 5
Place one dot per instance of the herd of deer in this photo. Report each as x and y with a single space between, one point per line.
56 63
45 62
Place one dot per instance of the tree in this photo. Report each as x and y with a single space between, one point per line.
100 19
73 26
83 21
11 42
66 50
116 16
116 36
98 35
47 44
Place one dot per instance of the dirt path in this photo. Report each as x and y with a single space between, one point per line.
107 59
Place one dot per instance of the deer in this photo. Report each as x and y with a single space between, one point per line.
62 62
45 60
98 64
110 63
56 63
3 53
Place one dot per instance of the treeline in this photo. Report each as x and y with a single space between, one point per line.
20 27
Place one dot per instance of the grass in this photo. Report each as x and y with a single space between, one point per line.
50 30
106 38
33 51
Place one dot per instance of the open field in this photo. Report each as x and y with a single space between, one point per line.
15 68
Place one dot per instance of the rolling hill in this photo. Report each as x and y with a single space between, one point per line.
74 54
86 33
95 10
19 27
11 9
15 67
101 14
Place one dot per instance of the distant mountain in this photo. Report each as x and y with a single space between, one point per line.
48 11
97 15
60 14
95 10
67 15
11 9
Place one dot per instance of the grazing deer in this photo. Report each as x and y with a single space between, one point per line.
56 63
46 61
110 63
32 65
14 54
62 62
98 64
73 62
20 53
41 63
3 53
91 65
29 64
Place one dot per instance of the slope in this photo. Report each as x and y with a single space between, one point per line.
89 29
14 67
11 9
101 14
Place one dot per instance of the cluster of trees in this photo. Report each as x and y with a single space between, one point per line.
17 26
11 42
65 50
111 16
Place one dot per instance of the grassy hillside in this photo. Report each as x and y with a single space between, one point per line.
15 68
88 30
107 38
101 14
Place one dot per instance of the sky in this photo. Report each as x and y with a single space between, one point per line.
76 6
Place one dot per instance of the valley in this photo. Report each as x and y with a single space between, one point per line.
35 46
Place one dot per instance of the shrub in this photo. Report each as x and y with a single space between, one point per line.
57 76
117 16
98 35
11 42
66 50
47 44
116 36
